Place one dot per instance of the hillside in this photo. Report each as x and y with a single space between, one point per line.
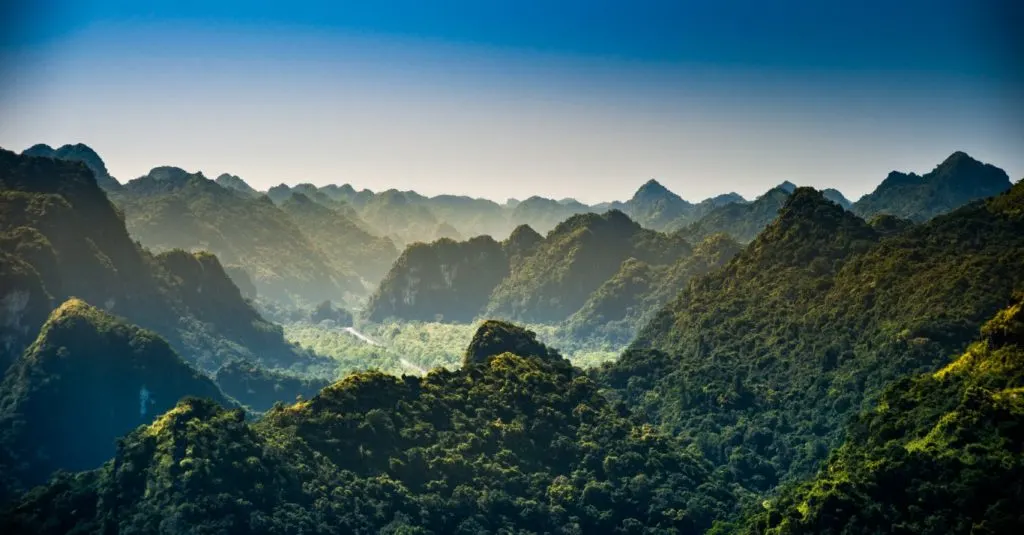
348 247
939 453
740 220
78 153
88 378
762 362
627 301
955 182
573 261
509 443
172 209
440 281
544 214
54 218
259 389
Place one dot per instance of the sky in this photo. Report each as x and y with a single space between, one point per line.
499 99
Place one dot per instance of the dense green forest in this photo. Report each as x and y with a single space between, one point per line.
56 222
793 364
938 453
762 362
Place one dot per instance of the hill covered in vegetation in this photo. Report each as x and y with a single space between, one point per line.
87 379
956 181
508 443
939 453
170 208
443 281
762 362
56 222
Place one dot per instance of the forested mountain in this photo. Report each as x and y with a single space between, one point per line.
348 247
441 281
655 207
87 379
543 214
259 388
62 237
940 453
630 298
171 208
78 153
403 220
743 221
760 363
958 180
509 443
234 182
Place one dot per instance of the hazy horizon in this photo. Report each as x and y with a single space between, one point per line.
487 102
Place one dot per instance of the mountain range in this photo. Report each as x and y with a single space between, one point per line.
795 364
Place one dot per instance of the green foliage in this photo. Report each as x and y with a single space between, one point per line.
940 453
343 241
54 218
443 281
573 261
761 363
496 337
91 377
742 221
327 312
624 303
172 209
958 180
515 445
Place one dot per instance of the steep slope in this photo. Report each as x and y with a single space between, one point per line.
495 337
955 182
655 207
444 280
259 388
513 444
627 301
520 244
348 247
170 208
54 218
392 214
235 183
88 379
741 221
544 214
939 454
78 153
469 216
574 260
837 197
763 361
24 306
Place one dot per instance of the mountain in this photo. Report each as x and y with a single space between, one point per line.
763 361
627 301
393 215
348 247
837 197
520 244
235 183
939 453
573 261
955 182
468 216
655 207
512 444
78 153
87 379
742 221
440 281
57 221
495 337
259 388
170 208
544 214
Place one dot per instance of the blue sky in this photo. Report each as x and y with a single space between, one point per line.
500 99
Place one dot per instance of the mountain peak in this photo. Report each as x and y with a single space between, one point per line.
809 218
787 186
235 182
495 337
